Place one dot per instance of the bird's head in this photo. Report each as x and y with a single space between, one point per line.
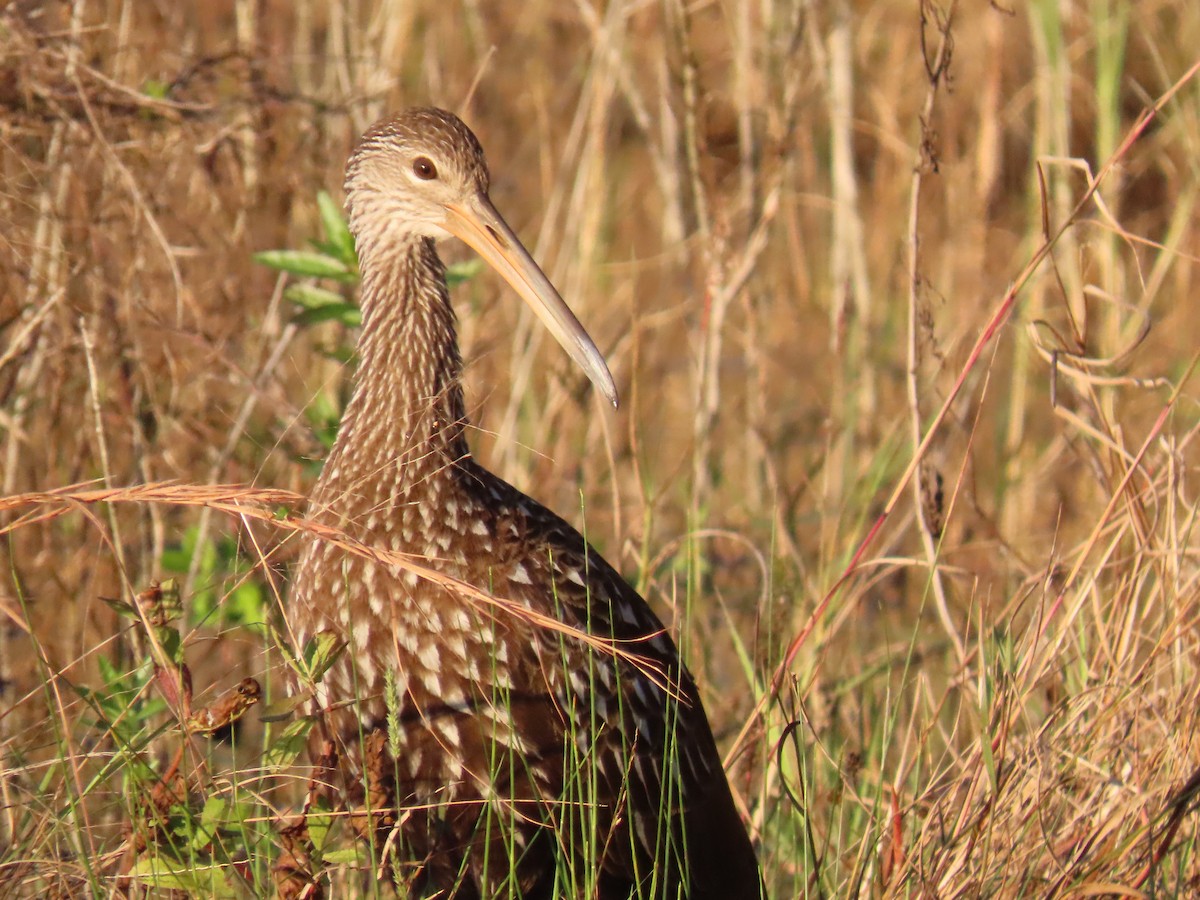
422 174
411 172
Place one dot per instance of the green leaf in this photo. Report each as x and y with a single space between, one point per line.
324 415
346 313
343 355
336 231
138 771
155 88
117 681
167 874
302 262
281 643
246 605
283 709
320 820
171 602
121 608
214 814
288 746
348 856
321 652
310 296
179 560
463 271
172 643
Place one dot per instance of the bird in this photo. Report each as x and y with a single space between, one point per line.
554 745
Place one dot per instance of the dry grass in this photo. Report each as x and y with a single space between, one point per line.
905 331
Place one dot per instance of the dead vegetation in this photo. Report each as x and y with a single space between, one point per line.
905 331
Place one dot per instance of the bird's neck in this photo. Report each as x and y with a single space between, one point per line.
405 420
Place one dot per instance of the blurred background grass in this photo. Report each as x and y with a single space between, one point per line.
786 236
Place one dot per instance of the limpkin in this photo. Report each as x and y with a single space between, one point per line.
523 760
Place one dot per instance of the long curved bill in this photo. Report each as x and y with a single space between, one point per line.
479 225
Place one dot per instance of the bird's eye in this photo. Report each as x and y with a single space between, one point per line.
424 168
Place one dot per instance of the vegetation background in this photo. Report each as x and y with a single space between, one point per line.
918 272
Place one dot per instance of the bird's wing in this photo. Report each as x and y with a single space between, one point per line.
638 740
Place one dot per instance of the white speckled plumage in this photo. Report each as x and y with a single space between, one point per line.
490 706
